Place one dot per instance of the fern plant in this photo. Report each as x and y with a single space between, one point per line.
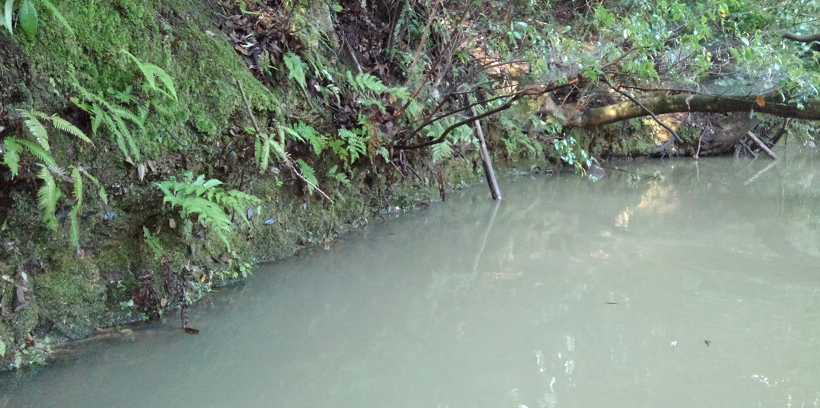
296 69
369 88
27 16
207 202
356 144
49 193
151 70
113 116
47 196
306 134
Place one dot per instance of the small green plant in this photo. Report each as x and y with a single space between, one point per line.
566 149
27 17
207 202
114 115
296 69
50 193
369 89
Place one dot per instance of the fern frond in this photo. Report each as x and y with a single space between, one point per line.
399 92
57 14
309 174
11 154
122 131
73 216
59 171
36 128
442 151
102 194
296 68
265 154
355 144
149 70
67 127
126 114
38 151
47 198
370 82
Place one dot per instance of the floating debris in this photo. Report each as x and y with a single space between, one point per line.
270 221
141 171
708 342
674 343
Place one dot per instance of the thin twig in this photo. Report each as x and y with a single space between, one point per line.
424 35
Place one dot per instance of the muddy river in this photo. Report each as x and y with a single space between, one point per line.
675 283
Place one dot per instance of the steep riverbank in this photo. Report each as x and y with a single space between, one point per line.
125 113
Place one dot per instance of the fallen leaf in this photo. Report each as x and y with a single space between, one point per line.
151 165
203 277
172 223
760 101
190 330
209 33
126 332
141 171
163 302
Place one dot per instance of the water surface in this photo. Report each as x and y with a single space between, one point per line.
675 284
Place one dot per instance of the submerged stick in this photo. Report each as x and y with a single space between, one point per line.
765 169
762 145
485 160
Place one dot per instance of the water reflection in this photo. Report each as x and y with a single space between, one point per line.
568 293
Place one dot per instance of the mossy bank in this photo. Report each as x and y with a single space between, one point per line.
155 86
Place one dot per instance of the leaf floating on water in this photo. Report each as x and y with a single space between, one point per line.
190 330
707 342
270 221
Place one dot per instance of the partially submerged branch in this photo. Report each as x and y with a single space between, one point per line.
692 103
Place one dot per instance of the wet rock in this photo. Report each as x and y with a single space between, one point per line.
596 171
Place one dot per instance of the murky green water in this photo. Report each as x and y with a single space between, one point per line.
699 287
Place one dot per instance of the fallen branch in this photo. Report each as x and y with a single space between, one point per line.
762 145
654 117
